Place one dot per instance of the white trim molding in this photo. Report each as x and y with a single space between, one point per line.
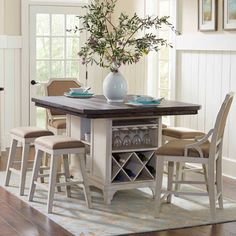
7 41
222 42
229 167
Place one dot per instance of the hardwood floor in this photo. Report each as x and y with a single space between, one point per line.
18 218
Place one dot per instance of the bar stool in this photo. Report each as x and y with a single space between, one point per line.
58 146
25 135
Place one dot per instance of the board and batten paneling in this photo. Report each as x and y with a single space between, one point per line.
204 77
10 79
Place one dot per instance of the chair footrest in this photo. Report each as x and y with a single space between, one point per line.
44 168
69 183
47 175
15 171
188 182
185 193
45 185
41 185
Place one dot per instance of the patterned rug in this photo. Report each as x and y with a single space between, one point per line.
131 211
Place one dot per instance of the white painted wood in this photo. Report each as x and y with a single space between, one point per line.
212 163
102 173
214 72
232 124
206 42
10 79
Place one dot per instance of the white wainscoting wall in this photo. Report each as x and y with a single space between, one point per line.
10 79
204 75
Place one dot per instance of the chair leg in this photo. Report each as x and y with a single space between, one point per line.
24 164
67 174
170 180
12 154
59 169
219 185
211 187
159 178
52 181
36 167
85 181
205 175
179 175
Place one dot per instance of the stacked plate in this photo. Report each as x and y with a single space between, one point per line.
145 101
78 93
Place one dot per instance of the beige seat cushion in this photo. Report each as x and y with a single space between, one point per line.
30 132
164 126
176 148
181 132
59 142
58 124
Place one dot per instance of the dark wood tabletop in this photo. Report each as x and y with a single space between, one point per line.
98 107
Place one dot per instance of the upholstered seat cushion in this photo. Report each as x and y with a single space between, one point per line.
30 132
181 132
58 142
176 148
164 126
58 124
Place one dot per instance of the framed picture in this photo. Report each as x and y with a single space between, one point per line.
207 15
229 15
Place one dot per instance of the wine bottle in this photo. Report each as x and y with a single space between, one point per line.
129 172
151 170
142 157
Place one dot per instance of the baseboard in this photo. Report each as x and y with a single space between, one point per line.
229 167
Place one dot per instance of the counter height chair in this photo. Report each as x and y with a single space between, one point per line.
56 147
56 120
202 151
26 136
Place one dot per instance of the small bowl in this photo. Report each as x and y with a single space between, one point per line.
76 90
143 98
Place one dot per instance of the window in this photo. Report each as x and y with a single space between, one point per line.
56 49
53 50
159 65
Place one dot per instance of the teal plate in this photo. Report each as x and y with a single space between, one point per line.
146 103
79 95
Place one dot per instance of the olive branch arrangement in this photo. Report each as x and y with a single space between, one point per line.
110 45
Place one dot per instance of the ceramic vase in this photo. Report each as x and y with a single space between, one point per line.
115 87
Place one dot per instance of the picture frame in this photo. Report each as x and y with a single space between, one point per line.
207 15
229 14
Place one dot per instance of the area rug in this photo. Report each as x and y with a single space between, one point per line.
131 211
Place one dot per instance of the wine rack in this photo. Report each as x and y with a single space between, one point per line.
133 166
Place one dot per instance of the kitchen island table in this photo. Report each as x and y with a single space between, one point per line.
120 139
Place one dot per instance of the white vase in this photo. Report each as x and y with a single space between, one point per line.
115 87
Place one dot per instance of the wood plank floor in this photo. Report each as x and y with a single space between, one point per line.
18 218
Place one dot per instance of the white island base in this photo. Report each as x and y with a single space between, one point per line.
120 153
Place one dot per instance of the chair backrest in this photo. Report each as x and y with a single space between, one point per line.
218 132
57 87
